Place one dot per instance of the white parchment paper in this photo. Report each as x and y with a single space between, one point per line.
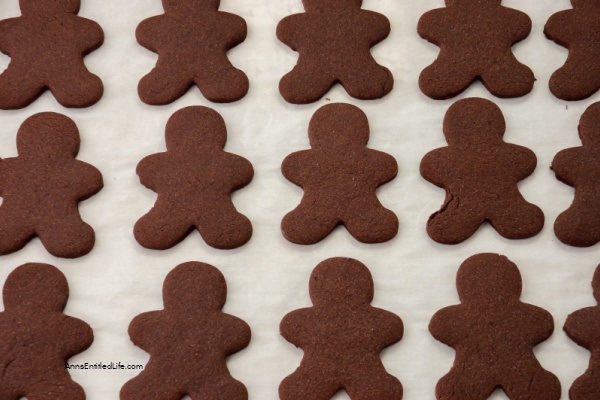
268 277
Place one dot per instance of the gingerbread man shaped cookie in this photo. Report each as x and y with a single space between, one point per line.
339 175
41 188
194 179
580 167
36 338
480 173
189 340
342 336
494 334
582 327
475 39
47 45
579 31
333 38
192 38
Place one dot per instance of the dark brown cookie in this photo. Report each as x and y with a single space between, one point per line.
583 326
192 38
194 179
494 334
480 173
47 45
189 340
41 189
333 38
342 336
339 175
36 338
475 39
579 167
579 31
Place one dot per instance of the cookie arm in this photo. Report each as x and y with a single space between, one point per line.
376 25
385 166
446 325
150 168
243 171
295 165
435 166
568 165
393 328
289 28
91 34
235 333
294 327
90 180
76 335
431 24
143 329
559 27
150 33
8 34
581 326
520 23
233 28
543 326
522 160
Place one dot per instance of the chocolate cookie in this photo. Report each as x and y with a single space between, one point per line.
41 189
342 336
339 175
579 31
494 334
579 167
475 39
189 340
192 38
333 39
194 179
47 45
480 173
583 327
36 338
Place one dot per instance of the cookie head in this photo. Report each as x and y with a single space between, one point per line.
316 5
45 7
473 120
488 277
341 281
589 126
48 134
176 5
35 287
195 127
338 125
194 287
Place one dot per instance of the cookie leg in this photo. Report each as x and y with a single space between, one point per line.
305 84
223 227
55 391
224 388
304 385
307 224
578 225
585 387
370 222
369 83
14 233
539 385
574 82
454 223
361 386
520 220
67 237
442 80
163 86
511 79
144 387
458 384
222 85
16 90
162 228
76 87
